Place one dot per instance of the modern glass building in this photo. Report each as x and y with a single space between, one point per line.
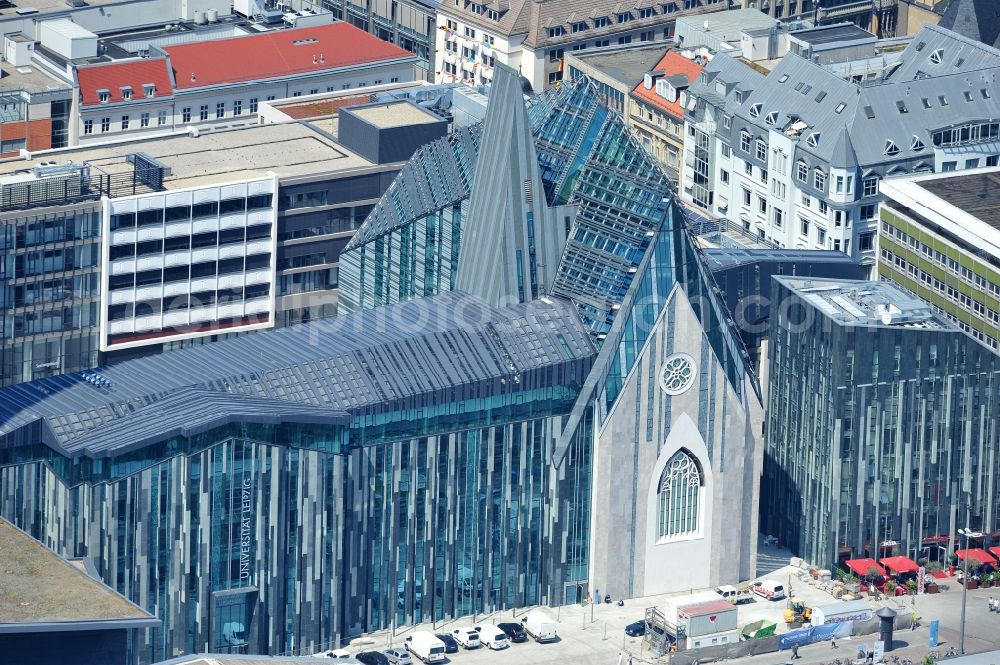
279 492
566 203
882 426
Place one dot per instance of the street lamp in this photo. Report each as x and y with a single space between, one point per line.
967 534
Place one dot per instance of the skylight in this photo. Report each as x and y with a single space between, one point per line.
755 110
813 139
771 118
916 143
891 148
840 107
937 55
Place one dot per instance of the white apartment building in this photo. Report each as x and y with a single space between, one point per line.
796 156
533 36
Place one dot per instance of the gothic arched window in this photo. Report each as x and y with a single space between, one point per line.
680 494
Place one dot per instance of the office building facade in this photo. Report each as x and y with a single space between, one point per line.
881 426
796 156
938 237
280 492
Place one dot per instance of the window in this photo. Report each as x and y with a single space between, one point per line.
471 32
555 76
869 187
761 205
557 31
746 197
993 160
203 112
161 118
891 148
779 217
747 167
556 54
220 110
602 22
144 120
839 184
804 227
149 90
761 150
647 12
238 107
727 122
937 55
763 176
801 171
745 141
647 36
726 151
105 124
971 163
868 211
627 39
739 96
186 114
755 110
866 241
679 497
724 176
823 207
813 139
771 118
805 198
579 26
253 105
819 180
88 126
125 122
948 166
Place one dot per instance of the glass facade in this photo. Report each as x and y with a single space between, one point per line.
876 432
49 292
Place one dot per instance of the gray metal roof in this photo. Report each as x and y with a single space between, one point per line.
855 121
720 258
319 372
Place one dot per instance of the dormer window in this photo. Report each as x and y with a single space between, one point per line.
104 96
126 92
557 31
937 55
755 110
916 143
739 96
624 17
891 148
771 118
813 140
149 90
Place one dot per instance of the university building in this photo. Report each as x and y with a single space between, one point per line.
882 424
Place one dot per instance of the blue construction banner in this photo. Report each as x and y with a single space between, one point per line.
824 633
935 626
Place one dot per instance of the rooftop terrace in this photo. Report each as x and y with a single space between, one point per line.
863 303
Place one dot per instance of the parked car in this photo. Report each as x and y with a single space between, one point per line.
398 657
450 645
424 646
467 637
539 626
768 589
514 631
636 628
339 654
372 658
491 636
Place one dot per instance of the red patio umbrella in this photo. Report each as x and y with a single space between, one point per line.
979 555
995 551
900 564
860 567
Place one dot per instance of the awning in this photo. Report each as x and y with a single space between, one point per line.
900 564
936 539
860 567
976 554
995 551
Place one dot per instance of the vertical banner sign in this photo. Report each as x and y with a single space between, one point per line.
935 626
921 574
246 530
878 652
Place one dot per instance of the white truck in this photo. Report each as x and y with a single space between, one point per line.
734 595
539 626
425 646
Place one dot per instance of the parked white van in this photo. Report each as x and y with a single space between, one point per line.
491 636
425 646
539 626
769 589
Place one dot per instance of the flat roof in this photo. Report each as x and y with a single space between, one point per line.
706 607
291 149
394 114
860 302
45 7
39 586
31 78
832 33
626 65
976 193
727 26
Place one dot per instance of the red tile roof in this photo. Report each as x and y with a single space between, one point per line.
277 54
113 76
672 63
